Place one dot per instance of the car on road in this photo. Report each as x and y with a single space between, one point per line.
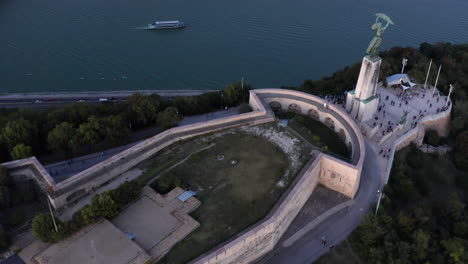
81 100
103 99
38 101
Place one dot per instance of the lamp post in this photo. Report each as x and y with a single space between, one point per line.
52 215
403 62
427 76
378 202
437 79
450 92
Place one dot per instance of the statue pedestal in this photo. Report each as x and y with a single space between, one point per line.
362 103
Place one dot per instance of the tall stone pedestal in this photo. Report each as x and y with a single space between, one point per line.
362 102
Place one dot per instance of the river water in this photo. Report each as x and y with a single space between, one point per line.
79 45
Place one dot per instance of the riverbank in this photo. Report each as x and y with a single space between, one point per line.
93 94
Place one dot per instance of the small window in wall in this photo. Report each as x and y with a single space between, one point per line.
342 135
314 114
275 105
329 123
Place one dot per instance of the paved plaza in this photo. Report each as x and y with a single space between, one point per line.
394 103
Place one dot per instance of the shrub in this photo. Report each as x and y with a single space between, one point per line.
166 183
43 228
126 193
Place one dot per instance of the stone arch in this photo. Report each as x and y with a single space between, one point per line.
295 108
275 105
76 194
342 135
314 114
330 123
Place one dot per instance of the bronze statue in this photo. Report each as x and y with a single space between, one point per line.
379 30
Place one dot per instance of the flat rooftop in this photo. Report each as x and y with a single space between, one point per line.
147 221
95 244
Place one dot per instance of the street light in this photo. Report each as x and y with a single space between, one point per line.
378 202
404 62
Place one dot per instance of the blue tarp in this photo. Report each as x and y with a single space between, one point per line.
186 195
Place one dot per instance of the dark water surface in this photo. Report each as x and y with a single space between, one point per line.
76 45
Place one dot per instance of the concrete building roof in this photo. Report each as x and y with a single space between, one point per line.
397 77
98 243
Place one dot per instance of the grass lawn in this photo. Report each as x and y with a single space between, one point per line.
233 196
319 135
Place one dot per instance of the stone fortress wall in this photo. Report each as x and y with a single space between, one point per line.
335 174
258 240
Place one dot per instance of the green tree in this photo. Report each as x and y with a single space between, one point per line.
421 241
21 151
405 222
454 247
61 138
455 207
234 94
126 193
101 205
142 110
461 150
104 206
43 228
91 132
169 117
115 129
18 132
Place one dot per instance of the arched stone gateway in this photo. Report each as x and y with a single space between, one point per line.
314 114
275 105
342 135
329 123
294 108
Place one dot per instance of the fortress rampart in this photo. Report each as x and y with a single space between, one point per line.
259 239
